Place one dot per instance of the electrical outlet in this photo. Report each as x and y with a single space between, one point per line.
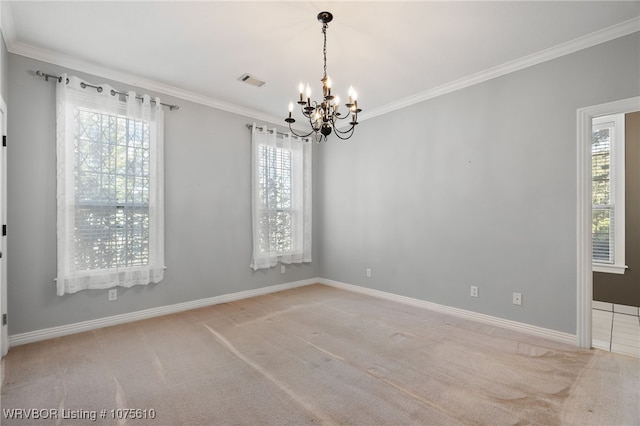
113 294
517 299
474 291
283 269
368 272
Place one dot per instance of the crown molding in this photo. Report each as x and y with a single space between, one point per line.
55 58
7 26
616 31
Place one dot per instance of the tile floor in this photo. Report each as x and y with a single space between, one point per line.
616 328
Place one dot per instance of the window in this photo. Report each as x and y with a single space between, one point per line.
274 174
112 191
281 199
109 189
607 183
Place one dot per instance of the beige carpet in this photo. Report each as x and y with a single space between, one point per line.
318 355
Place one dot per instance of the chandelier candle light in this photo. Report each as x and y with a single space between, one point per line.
324 117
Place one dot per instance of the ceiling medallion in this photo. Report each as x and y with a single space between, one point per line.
324 116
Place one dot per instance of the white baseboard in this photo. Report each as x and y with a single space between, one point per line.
63 330
49 333
461 313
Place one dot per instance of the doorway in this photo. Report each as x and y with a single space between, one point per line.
615 323
584 270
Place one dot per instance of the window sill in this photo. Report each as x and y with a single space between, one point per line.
610 269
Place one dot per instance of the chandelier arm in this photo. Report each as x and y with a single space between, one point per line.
343 116
311 112
348 115
300 136
334 124
304 113
338 133
314 128
334 121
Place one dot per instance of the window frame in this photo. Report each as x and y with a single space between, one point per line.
617 191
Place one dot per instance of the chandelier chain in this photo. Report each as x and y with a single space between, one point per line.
324 49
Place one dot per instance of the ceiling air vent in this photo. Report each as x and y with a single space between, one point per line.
249 79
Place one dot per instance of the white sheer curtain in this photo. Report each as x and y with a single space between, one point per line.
110 192
281 198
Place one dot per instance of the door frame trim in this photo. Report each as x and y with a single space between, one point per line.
4 338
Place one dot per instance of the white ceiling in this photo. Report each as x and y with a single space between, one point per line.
390 51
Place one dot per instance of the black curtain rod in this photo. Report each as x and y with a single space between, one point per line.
250 126
98 88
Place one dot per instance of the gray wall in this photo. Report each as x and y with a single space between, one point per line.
207 210
476 187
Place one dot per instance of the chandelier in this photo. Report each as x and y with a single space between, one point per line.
324 116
